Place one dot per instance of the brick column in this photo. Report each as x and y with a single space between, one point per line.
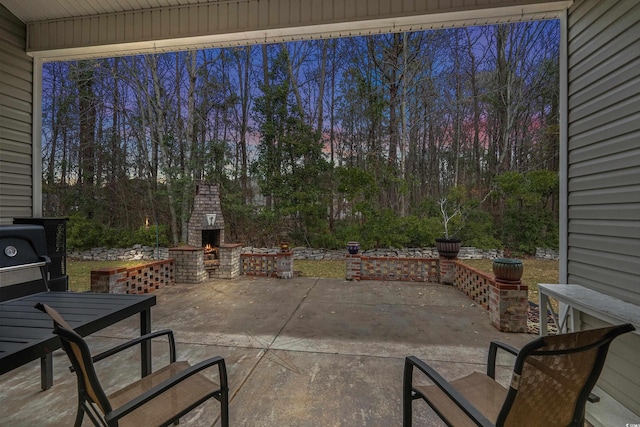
508 305
189 264
284 265
447 270
354 267
229 257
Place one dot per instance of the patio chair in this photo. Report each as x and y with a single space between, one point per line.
551 382
158 399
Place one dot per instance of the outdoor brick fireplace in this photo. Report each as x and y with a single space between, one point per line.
212 258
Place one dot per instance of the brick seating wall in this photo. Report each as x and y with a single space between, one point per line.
404 269
139 279
392 268
272 265
474 283
507 302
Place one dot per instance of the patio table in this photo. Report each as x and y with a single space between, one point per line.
26 333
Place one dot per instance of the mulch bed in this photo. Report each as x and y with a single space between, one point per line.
533 320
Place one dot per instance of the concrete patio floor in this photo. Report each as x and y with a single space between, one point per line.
299 352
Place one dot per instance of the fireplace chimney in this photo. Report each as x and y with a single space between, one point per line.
206 225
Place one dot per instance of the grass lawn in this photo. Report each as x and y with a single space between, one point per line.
535 271
79 272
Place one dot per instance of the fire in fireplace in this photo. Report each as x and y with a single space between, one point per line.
210 253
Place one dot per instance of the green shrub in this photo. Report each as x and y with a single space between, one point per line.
479 231
84 233
421 232
527 230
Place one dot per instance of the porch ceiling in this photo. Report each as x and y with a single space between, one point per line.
71 29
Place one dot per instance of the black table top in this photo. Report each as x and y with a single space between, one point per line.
26 333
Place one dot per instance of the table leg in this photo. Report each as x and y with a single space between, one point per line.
46 371
145 349
544 302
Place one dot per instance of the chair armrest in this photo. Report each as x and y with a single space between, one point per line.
110 352
493 350
451 392
138 340
169 383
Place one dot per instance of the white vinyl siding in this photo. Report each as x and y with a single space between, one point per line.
15 120
604 170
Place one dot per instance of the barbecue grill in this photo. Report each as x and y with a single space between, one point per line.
22 247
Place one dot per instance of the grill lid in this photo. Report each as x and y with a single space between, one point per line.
22 246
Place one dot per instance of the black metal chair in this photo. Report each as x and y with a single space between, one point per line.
158 399
551 382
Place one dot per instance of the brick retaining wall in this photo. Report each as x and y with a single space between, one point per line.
140 279
474 283
392 268
274 265
507 302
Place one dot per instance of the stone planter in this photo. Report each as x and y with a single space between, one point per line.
507 269
448 248
353 247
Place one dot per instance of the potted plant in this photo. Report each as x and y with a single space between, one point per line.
448 246
353 247
454 210
507 269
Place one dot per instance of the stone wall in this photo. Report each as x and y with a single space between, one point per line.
300 252
140 279
140 252
544 253
134 253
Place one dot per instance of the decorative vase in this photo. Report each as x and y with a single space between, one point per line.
508 269
353 247
448 248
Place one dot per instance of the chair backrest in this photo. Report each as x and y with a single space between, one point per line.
77 350
553 376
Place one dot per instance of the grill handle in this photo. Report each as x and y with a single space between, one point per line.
44 260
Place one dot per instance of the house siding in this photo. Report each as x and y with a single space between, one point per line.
604 170
16 74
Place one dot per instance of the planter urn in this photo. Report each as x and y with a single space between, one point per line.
507 269
353 247
448 247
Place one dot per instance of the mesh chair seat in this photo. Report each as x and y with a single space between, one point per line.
480 390
551 381
157 399
161 409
